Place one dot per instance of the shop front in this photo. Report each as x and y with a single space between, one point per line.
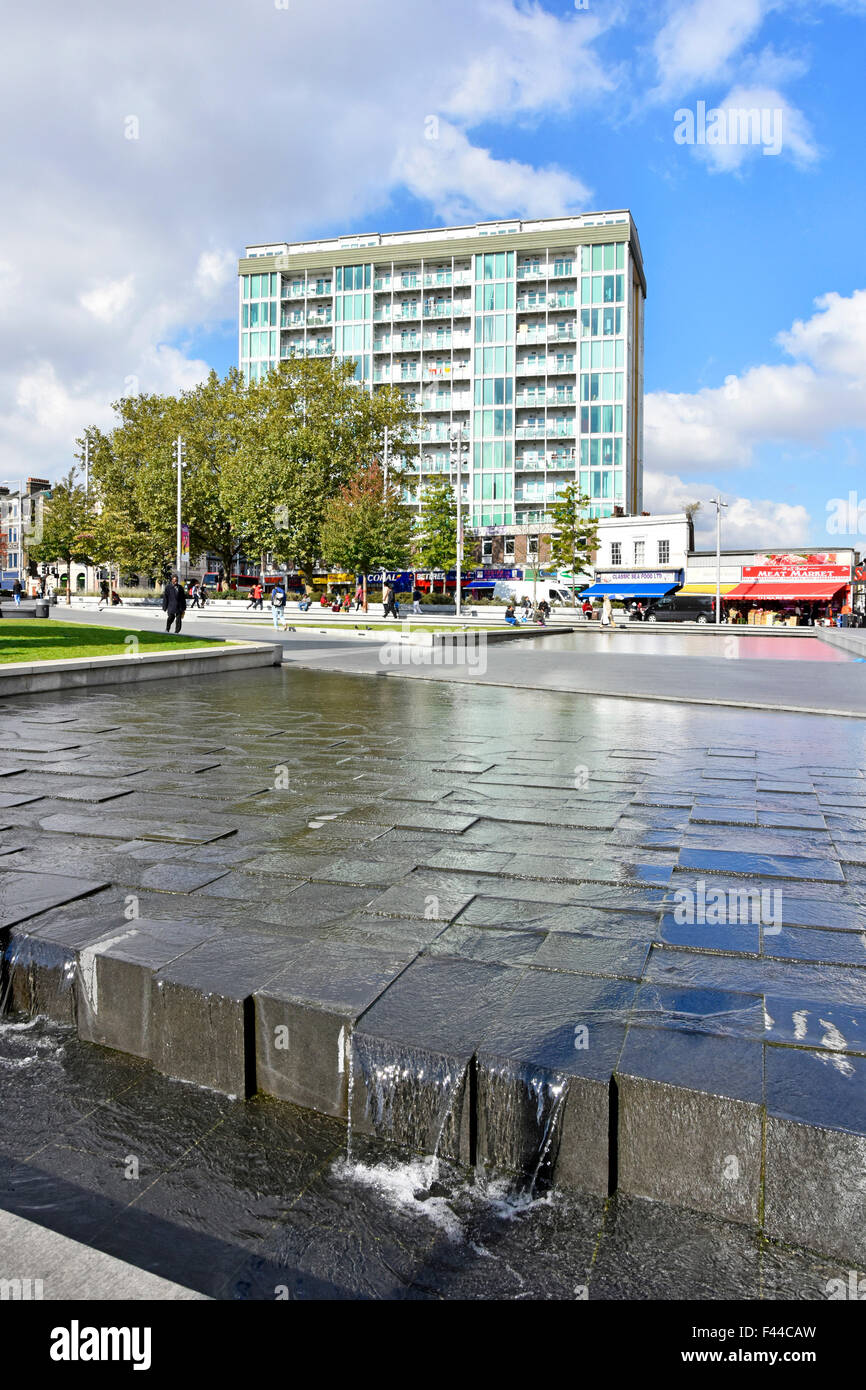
791 590
633 585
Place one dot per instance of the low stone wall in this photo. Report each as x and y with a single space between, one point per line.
78 673
849 639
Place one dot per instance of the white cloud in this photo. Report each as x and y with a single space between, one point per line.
822 391
466 183
215 270
758 123
108 301
252 122
746 522
700 38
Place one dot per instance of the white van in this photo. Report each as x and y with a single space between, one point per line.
556 593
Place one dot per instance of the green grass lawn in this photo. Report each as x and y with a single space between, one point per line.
43 639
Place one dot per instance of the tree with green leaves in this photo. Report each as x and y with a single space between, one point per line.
67 528
309 428
366 526
436 530
574 537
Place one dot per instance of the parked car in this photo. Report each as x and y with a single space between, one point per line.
683 608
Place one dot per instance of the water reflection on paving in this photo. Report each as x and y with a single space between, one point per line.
684 884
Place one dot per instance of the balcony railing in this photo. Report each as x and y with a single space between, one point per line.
292 321
316 319
297 290
319 289
432 341
438 277
565 368
405 311
462 308
407 342
532 272
562 270
560 429
562 332
531 335
532 367
438 311
530 431
382 345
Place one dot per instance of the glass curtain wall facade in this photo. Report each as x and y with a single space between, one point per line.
530 344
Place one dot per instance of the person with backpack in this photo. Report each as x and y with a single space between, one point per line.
278 604
16 592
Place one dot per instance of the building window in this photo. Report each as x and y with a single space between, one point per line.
616 552
639 549
508 548
664 552
487 550
532 547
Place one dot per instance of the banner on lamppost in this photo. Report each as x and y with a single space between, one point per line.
184 543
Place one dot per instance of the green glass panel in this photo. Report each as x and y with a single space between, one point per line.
620 255
608 256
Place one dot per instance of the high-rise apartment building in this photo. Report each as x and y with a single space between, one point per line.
527 336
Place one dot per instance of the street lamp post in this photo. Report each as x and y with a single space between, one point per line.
459 451
180 462
718 504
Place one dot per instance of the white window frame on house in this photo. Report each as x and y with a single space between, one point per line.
487 549
508 548
616 552
664 552
640 552
532 547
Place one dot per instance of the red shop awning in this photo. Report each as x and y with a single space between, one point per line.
770 590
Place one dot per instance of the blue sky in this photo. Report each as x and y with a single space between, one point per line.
260 120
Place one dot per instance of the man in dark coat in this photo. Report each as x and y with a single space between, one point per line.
174 604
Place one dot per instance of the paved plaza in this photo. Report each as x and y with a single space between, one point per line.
597 946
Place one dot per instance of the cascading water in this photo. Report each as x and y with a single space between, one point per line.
519 1120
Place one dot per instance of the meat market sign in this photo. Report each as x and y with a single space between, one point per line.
791 566
791 574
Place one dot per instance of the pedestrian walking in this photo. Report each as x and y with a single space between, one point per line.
173 604
417 595
278 605
16 592
359 598
104 594
256 596
389 605
607 612
587 610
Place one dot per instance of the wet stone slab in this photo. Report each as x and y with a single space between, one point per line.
304 1018
436 905
411 1053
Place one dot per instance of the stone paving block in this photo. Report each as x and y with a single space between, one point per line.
117 828
201 1021
815 1191
690 1121
25 894
304 1019
589 954
544 1068
115 974
721 861
411 1053
432 897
